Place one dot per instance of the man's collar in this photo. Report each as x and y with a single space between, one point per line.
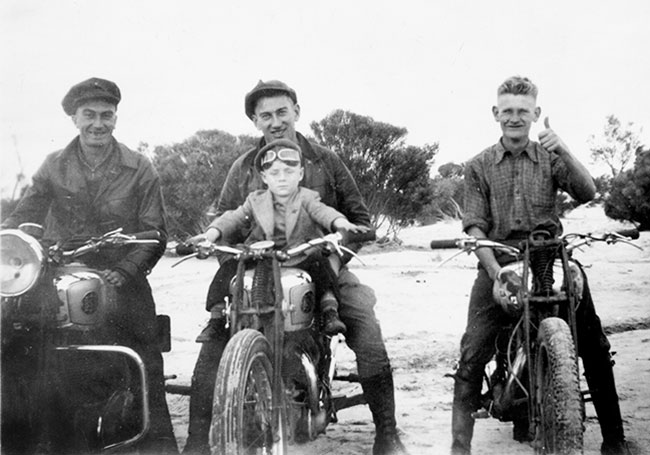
125 159
530 151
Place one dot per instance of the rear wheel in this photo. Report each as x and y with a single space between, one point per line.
559 402
242 415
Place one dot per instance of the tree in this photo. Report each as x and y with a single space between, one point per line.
617 145
629 198
392 177
447 194
8 205
192 173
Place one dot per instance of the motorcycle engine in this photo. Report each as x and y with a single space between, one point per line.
508 301
299 297
85 298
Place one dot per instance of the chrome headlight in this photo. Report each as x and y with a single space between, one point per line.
21 259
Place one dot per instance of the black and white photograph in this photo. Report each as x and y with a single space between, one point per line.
346 227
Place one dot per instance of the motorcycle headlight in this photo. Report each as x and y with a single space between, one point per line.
22 259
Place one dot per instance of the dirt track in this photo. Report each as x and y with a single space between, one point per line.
422 308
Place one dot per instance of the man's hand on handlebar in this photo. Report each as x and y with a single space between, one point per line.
343 223
512 281
115 278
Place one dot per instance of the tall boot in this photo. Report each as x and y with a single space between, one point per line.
202 391
466 395
600 378
379 393
160 439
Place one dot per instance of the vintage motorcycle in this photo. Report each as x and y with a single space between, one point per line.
274 381
534 373
66 387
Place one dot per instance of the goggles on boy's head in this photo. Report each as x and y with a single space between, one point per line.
288 156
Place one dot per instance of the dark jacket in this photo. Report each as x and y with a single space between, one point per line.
129 197
325 173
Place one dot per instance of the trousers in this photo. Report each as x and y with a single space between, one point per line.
485 319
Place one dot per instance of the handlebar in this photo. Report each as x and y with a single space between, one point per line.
444 244
348 237
113 238
632 234
265 248
184 249
470 244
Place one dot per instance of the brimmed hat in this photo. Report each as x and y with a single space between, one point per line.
265 89
91 89
278 143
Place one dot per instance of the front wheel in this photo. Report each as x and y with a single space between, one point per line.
559 402
242 414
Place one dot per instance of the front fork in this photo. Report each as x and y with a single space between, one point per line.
550 309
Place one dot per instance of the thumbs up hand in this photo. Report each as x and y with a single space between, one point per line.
551 141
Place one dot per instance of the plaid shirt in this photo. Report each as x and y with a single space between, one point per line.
508 196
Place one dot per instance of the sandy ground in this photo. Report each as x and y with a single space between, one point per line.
422 308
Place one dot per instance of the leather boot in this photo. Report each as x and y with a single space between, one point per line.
600 378
160 439
379 393
202 393
466 395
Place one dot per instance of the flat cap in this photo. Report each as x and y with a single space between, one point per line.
265 89
278 143
91 89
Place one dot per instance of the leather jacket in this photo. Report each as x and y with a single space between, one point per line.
129 197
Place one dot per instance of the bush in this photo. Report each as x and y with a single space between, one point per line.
629 197
392 177
446 195
192 174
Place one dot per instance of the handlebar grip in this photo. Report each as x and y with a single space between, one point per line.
147 235
183 249
443 244
632 233
357 237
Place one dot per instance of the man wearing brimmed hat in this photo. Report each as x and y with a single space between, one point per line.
273 108
95 185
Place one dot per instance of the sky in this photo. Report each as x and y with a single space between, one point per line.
429 66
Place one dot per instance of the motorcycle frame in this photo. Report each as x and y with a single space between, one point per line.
529 330
238 309
276 335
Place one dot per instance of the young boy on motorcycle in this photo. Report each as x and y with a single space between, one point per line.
273 108
289 215
510 189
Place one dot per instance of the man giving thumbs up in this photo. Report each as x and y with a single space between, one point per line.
510 190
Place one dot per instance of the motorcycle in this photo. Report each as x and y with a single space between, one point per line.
66 386
274 381
535 371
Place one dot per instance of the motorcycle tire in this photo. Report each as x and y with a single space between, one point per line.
242 408
559 402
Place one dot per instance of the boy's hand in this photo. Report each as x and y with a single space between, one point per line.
211 235
551 141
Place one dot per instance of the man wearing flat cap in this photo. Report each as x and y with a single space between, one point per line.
273 108
95 185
